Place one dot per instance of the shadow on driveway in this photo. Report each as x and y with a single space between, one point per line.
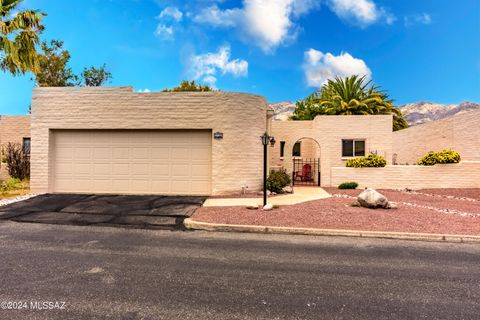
165 212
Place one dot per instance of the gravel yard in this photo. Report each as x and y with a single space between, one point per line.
444 211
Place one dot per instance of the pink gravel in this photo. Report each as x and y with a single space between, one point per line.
444 211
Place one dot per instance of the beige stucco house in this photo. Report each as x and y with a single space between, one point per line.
115 140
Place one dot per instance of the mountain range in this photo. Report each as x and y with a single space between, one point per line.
415 113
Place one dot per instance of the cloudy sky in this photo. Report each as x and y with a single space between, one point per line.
281 49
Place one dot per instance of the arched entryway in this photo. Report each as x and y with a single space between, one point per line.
306 162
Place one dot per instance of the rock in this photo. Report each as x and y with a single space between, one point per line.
273 193
391 205
287 189
356 204
268 207
255 207
370 198
268 193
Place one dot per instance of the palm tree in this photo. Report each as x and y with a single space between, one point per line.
19 32
349 96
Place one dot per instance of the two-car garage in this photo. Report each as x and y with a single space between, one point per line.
132 161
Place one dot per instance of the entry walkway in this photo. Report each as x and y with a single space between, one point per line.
301 194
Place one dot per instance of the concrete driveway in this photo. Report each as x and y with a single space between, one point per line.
127 211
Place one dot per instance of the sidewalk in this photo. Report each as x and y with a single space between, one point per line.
300 195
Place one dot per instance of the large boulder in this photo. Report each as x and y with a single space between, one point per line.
370 198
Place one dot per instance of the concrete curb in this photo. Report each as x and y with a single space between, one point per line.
197 225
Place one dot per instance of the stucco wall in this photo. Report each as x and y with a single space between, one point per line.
329 131
466 174
237 159
459 133
12 129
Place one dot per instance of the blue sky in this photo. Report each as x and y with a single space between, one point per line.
425 50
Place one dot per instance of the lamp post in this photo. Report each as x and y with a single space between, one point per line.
266 139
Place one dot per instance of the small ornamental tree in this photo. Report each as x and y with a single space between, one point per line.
16 160
189 86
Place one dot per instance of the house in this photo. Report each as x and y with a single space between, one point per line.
115 140
15 129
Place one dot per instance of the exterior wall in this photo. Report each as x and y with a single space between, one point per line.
237 159
465 174
459 133
12 129
328 132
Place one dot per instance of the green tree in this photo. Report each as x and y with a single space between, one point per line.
189 86
349 96
19 37
93 77
53 66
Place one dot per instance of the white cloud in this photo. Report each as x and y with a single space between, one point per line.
362 12
423 18
205 67
172 16
267 23
164 32
146 90
219 18
171 13
319 67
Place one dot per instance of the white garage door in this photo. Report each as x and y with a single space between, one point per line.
176 162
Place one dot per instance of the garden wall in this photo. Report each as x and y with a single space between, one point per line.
465 174
459 132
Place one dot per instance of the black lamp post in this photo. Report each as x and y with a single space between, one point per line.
266 139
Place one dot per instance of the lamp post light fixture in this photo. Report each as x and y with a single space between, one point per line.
266 139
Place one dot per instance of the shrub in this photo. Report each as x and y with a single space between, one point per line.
444 156
17 161
11 184
372 160
277 180
348 185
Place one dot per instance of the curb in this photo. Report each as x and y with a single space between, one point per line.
206 226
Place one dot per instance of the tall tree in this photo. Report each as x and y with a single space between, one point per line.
189 86
53 66
349 96
95 77
19 36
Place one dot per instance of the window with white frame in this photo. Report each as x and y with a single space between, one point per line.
353 148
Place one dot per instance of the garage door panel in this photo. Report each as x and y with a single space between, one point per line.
132 162
160 152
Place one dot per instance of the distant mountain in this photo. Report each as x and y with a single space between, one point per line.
415 113
282 110
423 112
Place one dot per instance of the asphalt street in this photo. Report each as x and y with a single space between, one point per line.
116 273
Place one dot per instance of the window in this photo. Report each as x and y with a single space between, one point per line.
297 149
353 148
26 145
282 149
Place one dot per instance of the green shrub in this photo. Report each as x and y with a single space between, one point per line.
348 185
442 157
277 180
11 184
16 160
372 160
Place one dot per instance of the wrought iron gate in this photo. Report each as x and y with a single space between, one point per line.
306 172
